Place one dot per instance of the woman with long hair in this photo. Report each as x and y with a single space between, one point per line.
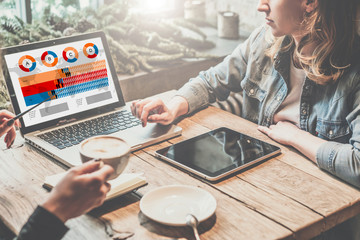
299 77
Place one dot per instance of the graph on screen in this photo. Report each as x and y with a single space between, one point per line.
77 79
75 75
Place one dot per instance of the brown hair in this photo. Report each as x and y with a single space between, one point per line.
332 27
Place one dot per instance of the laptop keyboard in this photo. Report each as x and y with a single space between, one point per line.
104 125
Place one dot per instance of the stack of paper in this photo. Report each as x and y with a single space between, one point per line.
124 183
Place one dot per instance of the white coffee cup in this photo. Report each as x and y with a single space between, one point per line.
109 149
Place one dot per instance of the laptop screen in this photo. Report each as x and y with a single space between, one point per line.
74 76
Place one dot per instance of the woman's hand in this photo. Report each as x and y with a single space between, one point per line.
83 188
5 116
288 134
282 132
152 110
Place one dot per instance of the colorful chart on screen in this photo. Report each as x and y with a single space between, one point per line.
90 50
27 63
73 82
77 79
70 54
49 58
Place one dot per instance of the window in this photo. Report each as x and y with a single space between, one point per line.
28 10
153 5
8 8
157 8
18 8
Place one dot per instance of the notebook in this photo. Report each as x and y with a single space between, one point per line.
124 183
78 74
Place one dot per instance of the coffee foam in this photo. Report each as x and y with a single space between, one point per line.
104 147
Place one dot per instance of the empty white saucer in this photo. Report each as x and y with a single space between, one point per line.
170 204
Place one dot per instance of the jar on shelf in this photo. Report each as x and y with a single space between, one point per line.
228 25
194 10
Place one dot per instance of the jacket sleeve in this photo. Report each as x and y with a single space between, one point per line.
42 225
343 160
217 82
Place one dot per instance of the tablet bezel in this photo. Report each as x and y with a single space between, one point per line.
223 172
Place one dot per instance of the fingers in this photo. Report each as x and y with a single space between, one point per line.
160 118
143 109
89 167
136 107
10 137
102 174
264 129
17 123
6 114
104 189
4 128
95 171
107 186
133 107
148 108
269 131
5 117
140 106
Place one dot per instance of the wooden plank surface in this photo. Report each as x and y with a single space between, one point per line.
284 197
223 225
268 203
124 212
293 176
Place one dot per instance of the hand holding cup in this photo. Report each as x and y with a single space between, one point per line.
111 150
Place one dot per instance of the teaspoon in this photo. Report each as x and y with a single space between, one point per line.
192 221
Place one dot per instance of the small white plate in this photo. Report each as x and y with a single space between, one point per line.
170 204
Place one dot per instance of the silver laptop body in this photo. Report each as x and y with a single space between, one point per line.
79 75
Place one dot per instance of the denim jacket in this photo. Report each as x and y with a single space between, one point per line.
331 112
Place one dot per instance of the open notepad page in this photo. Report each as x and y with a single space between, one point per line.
124 183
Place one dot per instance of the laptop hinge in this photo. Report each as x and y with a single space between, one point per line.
66 121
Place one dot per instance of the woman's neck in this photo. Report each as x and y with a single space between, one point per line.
306 50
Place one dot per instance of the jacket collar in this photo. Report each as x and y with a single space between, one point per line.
282 59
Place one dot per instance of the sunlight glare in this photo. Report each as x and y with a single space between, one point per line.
156 4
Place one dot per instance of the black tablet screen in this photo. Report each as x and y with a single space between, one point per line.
218 151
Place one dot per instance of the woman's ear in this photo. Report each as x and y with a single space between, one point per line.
310 5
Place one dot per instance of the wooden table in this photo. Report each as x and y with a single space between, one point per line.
285 197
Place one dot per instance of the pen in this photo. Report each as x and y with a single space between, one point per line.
11 121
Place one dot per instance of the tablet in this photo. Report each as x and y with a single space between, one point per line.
218 153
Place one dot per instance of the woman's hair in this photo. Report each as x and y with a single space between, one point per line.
332 27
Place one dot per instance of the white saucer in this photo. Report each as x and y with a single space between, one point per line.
170 204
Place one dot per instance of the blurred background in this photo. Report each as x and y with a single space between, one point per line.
144 35
34 9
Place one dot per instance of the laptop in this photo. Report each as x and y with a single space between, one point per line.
79 76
